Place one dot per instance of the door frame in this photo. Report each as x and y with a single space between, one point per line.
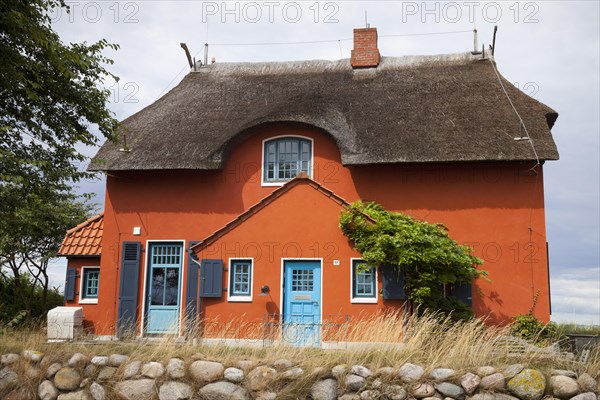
282 294
182 280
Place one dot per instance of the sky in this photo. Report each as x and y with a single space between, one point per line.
549 49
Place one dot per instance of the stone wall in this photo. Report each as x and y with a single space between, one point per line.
30 375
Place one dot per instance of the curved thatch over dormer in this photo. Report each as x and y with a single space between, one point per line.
448 108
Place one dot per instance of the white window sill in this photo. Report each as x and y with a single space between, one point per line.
88 301
240 299
358 300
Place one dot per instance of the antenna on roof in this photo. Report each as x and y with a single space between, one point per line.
205 53
475 42
187 53
494 39
366 20
523 134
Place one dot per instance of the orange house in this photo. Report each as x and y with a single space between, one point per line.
223 197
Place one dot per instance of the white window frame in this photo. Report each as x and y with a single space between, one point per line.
82 299
235 298
262 159
362 300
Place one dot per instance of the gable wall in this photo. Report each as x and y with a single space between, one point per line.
489 206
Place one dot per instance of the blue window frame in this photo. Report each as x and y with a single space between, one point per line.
285 158
241 278
364 281
91 283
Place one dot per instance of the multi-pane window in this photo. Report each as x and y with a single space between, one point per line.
241 278
364 282
285 158
302 280
91 282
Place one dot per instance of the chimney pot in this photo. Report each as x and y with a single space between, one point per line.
365 53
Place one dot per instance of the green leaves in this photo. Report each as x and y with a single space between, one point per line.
429 257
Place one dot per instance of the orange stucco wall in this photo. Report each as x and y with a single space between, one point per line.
95 319
497 208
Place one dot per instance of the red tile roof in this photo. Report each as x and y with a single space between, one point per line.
85 239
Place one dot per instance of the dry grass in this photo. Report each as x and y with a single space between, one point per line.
426 340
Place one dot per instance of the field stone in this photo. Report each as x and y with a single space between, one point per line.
410 372
450 390
206 371
512 370
483 396
89 370
292 373
440 374
485 371
282 364
140 389
77 360
100 361
132 369
339 370
587 383
80 395
115 360
33 373
395 392
106 373
423 390
565 372
504 396
470 382
585 396
8 359
349 396
494 381
529 384
260 378
52 370
84 382
32 355
246 365
234 375
153 369
67 378
174 390
265 396
354 382
47 391
223 391
361 371
370 395
176 368
325 389
563 386
97 391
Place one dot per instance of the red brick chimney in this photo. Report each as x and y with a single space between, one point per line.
365 53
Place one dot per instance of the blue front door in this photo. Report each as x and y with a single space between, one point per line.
163 287
302 303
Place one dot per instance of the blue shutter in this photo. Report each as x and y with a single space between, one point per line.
463 293
392 280
70 284
128 289
191 291
211 278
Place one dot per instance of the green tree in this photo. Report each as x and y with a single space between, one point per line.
424 251
51 99
50 95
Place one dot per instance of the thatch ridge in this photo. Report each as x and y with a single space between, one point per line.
444 108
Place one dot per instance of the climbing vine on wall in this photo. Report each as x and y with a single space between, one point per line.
426 253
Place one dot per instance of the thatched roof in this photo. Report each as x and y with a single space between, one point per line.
409 109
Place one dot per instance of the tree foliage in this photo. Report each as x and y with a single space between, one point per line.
50 95
51 101
424 251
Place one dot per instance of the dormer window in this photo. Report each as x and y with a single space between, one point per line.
286 157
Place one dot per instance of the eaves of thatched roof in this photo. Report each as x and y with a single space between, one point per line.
413 109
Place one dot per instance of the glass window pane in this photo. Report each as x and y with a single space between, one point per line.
171 287
158 285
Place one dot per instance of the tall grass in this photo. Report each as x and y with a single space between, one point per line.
390 338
